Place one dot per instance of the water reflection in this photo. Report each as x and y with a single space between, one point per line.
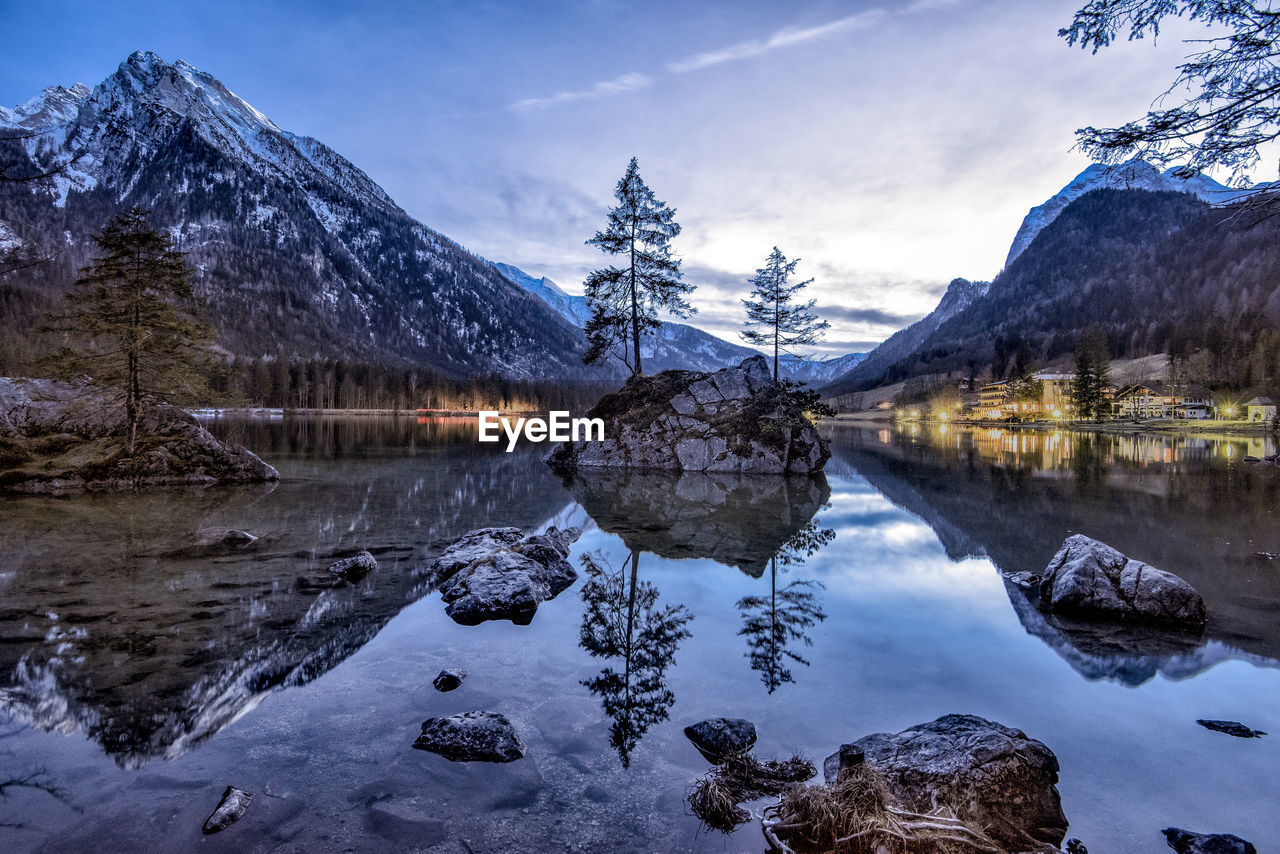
736 520
115 622
773 624
623 621
1182 503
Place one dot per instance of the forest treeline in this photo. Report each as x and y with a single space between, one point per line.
291 383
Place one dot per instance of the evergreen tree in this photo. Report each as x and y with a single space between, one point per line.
625 300
136 321
1231 104
1092 375
787 324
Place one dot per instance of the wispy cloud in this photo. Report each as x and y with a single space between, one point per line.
603 89
782 38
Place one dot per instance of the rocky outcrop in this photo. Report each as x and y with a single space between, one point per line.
732 420
995 778
1186 842
65 437
355 567
471 737
1088 578
719 739
500 574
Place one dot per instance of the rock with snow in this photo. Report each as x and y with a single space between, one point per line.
65 437
733 420
995 778
719 739
355 567
1088 578
471 737
1186 842
499 574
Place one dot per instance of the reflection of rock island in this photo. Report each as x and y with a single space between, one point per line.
1181 505
737 520
104 629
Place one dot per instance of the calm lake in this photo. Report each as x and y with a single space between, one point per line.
141 674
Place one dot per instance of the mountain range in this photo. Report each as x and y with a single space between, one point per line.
296 251
1156 261
679 345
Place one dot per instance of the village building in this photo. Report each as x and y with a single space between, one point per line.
1260 409
1159 399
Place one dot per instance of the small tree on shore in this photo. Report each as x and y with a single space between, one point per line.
135 322
625 300
1092 375
786 323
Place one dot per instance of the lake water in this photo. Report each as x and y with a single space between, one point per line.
140 676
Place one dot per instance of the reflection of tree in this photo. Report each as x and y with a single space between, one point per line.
623 621
773 623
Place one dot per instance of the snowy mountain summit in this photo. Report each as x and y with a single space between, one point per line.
295 248
1131 175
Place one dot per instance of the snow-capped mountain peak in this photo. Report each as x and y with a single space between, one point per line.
56 105
1134 174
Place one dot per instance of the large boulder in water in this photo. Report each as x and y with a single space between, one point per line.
733 420
500 574
472 737
995 778
61 437
1088 578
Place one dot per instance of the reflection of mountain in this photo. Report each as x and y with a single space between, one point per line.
1016 500
102 629
737 520
623 621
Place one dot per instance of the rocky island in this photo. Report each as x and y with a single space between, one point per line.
58 437
732 420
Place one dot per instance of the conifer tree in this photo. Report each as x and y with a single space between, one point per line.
1092 375
625 300
786 323
135 321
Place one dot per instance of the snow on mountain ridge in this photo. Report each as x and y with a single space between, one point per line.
1132 175
56 105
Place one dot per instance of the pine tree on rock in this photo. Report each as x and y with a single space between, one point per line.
625 300
135 320
786 323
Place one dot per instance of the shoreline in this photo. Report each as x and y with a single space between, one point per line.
1167 428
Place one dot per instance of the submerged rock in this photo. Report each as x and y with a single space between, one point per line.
448 680
732 420
1186 842
995 778
1235 728
719 739
60 437
354 568
1088 578
471 737
232 806
498 574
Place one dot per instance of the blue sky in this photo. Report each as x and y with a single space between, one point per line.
891 145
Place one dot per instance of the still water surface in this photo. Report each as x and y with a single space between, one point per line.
141 674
